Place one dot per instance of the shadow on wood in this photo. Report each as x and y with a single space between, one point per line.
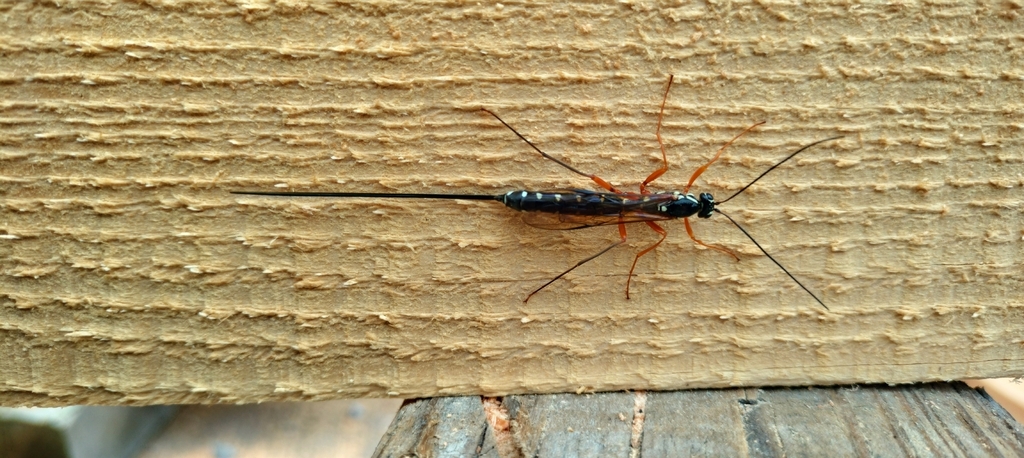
937 419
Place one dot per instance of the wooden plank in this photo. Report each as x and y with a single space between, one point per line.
601 426
697 422
937 419
129 274
454 426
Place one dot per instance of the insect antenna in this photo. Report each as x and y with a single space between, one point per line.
744 231
776 165
770 257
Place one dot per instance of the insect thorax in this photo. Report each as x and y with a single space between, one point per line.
686 205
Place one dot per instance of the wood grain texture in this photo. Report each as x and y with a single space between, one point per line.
937 419
129 274
451 426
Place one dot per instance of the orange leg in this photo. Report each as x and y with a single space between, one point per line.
689 230
622 235
657 229
600 181
704 167
604 184
657 132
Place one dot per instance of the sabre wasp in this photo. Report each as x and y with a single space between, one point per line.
565 209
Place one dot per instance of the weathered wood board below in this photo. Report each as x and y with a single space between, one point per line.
937 419
130 275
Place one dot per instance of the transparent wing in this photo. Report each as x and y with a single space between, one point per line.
563 222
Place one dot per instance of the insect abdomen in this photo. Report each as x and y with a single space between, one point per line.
571 202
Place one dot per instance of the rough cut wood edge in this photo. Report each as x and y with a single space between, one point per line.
937 419
129 275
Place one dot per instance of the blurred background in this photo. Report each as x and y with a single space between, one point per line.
349 428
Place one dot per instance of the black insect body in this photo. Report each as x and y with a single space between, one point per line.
589 204
565 209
